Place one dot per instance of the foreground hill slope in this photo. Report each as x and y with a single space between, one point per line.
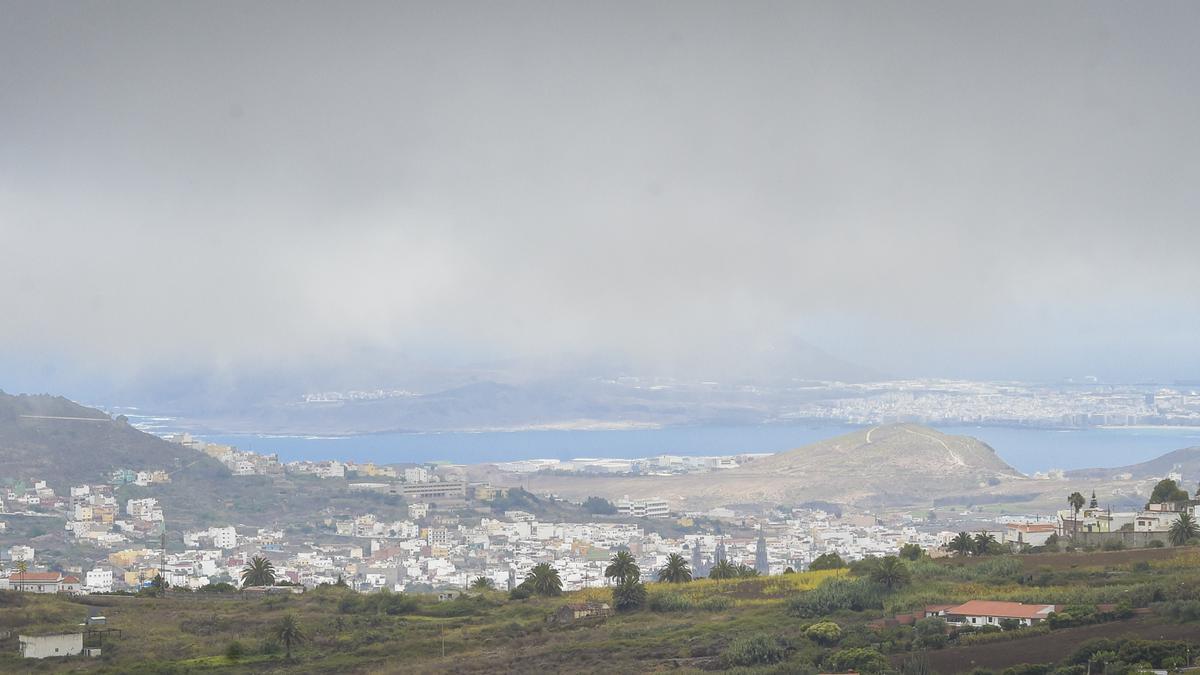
762 624
895 464
53 438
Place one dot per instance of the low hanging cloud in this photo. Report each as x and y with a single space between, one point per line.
925 189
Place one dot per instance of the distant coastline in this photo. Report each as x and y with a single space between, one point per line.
1028 449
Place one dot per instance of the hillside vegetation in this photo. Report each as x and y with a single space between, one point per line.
792 623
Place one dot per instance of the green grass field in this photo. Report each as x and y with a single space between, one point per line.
704 625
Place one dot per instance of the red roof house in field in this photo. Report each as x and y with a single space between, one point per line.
992 612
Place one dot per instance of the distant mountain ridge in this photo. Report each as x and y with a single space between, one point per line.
1187 460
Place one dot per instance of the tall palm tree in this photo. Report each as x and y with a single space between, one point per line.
288 632
483 584
622 568
1076 500
983 542
543 580
22 568
723 570
962 544
676 571
1184 530
890 572
258 572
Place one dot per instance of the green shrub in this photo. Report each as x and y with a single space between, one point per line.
827 561
1179 610
859 659
629 595
753 651
834 595
824 632
995 635
235 651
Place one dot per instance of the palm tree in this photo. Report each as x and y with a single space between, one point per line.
258 572
1076 501
22 568
983 542
890 572
1184 530
746 571
483 584
676 571
289 633
628 595
622 568
543 580
723 570
962 544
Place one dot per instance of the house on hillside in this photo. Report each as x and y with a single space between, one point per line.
991 613
578 611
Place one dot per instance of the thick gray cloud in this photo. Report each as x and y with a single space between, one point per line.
925 188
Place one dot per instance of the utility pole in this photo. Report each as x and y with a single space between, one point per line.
162 564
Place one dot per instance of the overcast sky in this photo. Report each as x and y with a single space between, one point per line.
998 189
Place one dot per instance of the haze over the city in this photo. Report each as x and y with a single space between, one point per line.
227 196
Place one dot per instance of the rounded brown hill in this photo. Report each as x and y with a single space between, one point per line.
894 464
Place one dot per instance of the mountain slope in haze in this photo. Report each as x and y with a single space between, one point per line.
52 438
893 464
1186 459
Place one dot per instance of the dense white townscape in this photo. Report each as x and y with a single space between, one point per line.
453 532
1004 403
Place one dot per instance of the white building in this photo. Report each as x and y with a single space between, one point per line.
99 580
416 475
652 507
20 553
219 537
332 469
46 646
144 509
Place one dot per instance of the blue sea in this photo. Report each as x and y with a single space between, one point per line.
1027 449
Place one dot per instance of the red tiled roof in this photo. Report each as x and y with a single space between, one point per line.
1005 610
34 577
70 580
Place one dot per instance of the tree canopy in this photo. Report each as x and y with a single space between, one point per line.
622 568
827 561
543 580
258 572
676 570
1167 490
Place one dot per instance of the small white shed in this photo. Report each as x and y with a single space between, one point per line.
45 646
